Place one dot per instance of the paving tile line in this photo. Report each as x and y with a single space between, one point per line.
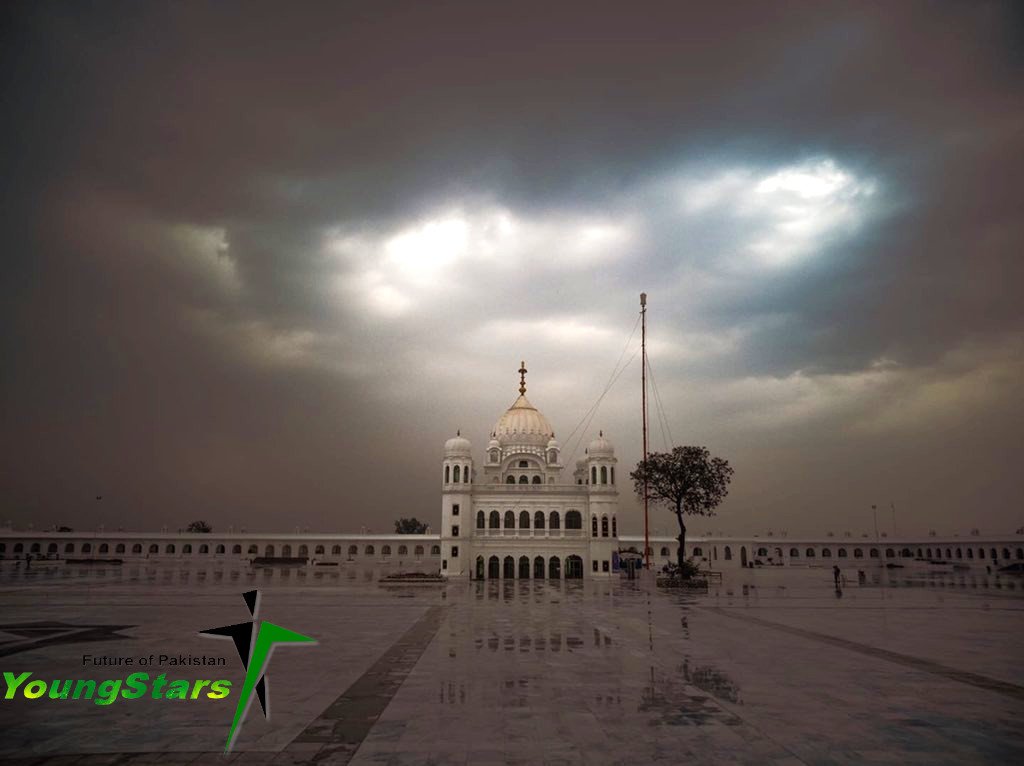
977 680
338 732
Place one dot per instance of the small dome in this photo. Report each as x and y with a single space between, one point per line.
581 464
600 447
553 444
458 445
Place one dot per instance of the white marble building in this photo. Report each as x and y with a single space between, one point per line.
518 515
521 514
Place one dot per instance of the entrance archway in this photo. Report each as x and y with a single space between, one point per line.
493 568
510 568
554 568
524 567
479 567
574 568
538 568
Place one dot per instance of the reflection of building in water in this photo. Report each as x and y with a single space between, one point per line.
518 515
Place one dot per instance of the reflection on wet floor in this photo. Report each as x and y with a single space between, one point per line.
765 667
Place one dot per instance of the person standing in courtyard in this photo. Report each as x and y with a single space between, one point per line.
835 574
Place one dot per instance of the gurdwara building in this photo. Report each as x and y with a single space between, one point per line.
523 513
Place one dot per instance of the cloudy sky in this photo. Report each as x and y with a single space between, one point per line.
261 261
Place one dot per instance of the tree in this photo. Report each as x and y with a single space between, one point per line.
199 526
686 480
411 526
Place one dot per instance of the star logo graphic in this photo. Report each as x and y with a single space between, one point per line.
254 649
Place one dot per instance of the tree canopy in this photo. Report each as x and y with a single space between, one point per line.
199 526
411 526
687 480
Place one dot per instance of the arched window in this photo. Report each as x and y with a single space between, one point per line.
447 474
873 553
573 520
104 548
418 550
494 456
336 550
510 520
1020 554
236 549
51 548
368 550
510 479
949 553
69 548
593 526
1006 553
858 553
794 553
810 553
593 475
465 474
220 549
538 521
762 551
536 480
556 520
928 552
611 469
457 475
480 520
524 463
303 550
698 552
552 456
18 547
728 553
905 553
524 567
253 550
353 550
604 474
204 548
664 551
826 553
435 550
119 548
168 549
890 553
615 527
319 551
842 553
403 550
959 553
286 551
494 520
970 553
268 551
524 479
186 548
524 520
538 568
35 548
385 550
137 548
509 568
604 526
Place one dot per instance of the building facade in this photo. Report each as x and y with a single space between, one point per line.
521 514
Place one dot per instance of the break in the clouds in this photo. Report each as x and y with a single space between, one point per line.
260 265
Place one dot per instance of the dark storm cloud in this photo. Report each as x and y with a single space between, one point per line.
210 310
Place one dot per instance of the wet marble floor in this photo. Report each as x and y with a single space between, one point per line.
771 666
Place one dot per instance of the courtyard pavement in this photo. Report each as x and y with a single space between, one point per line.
771 666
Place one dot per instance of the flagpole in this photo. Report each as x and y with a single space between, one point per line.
643 397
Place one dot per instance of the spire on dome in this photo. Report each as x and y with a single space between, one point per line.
522 377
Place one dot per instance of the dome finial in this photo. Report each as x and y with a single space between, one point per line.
522 377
